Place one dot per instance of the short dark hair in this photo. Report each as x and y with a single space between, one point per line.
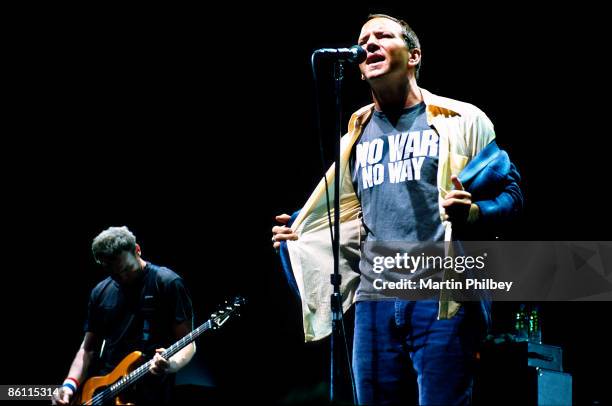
410 37
111 242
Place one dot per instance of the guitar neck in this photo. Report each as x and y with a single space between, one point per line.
189 338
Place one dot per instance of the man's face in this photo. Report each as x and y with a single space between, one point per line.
386 50
123 268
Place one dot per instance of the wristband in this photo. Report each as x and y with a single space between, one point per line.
71 383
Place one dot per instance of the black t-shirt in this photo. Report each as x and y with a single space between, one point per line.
139 317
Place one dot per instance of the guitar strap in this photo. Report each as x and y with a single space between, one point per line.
147 307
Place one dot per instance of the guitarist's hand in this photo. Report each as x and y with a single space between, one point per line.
160 365
62 396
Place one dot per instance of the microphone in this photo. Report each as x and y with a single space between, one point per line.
354 54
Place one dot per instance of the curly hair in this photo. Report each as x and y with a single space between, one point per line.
112 242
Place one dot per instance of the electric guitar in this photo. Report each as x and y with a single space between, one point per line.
127 373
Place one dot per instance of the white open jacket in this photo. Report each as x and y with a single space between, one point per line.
463 131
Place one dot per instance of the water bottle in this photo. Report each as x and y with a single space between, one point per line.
535 326
521 324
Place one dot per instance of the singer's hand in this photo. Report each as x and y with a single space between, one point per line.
282 233
458 205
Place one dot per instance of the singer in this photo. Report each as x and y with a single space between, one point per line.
459 190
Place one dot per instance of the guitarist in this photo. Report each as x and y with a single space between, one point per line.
138 307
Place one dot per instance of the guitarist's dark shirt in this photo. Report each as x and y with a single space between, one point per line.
117 314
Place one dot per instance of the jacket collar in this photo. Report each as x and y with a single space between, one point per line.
440 106
436 105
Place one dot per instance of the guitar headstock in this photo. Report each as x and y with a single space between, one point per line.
229 309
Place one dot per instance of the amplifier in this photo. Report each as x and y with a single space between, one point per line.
543 356
521 373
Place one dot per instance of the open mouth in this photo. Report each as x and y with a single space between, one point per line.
374 58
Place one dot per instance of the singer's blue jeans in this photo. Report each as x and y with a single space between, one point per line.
397 340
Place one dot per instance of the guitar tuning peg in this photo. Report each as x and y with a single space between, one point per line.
213 315
221 312
229 308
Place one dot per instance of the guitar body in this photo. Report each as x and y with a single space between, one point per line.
127 365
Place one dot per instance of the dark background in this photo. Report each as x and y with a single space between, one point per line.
194 127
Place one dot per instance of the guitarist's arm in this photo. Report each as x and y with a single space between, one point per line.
78 369
178 360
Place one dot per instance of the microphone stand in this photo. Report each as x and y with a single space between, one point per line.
336 278
338 336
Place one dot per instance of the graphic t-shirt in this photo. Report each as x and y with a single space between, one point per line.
394 169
